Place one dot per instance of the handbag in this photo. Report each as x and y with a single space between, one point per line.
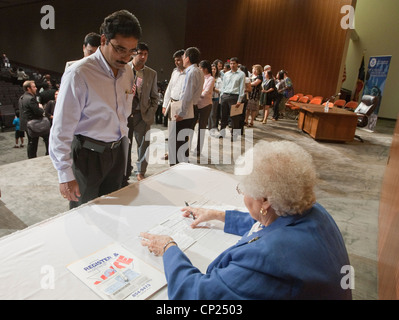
38 127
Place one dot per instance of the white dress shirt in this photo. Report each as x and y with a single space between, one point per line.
92 102
192 89
175 86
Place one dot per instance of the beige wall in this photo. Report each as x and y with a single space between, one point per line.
377 26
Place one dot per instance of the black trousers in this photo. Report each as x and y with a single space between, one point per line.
227 101
97 173
202 116
276 109
33 143
178 142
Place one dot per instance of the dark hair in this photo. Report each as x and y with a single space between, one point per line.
234 59
217 74
178 53
93 39
121 22
245 70
281 75
270 74
193 54
142 46
205 64
217 61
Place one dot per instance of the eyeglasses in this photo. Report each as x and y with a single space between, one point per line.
123 51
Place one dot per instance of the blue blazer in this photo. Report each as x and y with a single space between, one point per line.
296 257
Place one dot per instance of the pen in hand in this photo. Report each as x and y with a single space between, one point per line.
191 213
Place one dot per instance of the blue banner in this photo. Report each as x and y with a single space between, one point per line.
375 83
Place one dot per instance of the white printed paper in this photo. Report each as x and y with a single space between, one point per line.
179 228
115 273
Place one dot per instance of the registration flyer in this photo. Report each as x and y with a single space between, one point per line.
116 274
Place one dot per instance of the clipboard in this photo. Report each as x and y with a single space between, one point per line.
175 109
236 109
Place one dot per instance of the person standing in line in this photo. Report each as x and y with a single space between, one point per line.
30 109
174 88
88 139
204 106
253 103
180 127
262 98
145 103
214 117
233 92
269 94
280 88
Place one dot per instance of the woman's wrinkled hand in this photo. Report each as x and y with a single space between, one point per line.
200 215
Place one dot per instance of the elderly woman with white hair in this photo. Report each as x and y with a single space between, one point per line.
291 248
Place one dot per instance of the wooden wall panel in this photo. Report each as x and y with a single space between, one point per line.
388 224
216 27
302 36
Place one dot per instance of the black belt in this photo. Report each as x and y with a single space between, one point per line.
103 145
230 94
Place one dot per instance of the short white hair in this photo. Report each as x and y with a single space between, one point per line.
281 171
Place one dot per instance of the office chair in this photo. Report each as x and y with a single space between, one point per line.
364 110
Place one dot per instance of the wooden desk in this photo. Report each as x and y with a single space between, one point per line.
335 125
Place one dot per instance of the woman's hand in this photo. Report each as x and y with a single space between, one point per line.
156 243
202 215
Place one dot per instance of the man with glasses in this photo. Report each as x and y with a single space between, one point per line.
145 103
88 139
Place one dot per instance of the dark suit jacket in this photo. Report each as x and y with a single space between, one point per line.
149 95
28 109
